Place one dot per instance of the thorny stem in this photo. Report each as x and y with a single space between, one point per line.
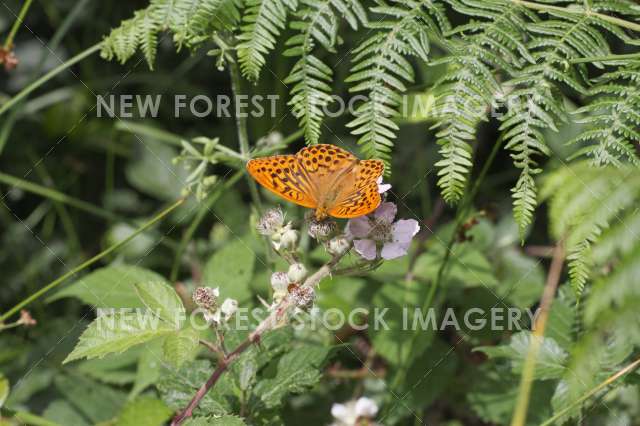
528 369
91 261
278 314
8 43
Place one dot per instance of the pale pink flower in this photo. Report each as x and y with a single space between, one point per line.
378 229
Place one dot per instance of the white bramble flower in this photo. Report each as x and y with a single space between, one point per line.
279 281
322 229
297 272
351 412
289 239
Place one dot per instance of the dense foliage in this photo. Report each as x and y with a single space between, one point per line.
510 131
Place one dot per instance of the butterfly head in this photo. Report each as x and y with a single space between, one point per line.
321 214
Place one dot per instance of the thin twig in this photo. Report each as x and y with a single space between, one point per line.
528 370
8 43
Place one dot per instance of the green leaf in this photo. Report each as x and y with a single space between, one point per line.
296 371
96 401
117 333
231 269
62 412
161 299
4 389
181 346
149 367
154 172
177 387
113 369
390 338
550 363
145 411
215 421
110 287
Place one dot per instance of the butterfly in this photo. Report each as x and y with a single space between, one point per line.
323 177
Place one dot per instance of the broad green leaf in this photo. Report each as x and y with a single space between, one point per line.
215 421
145 411
550 363
231 269
161 299
110 287
154 173
63 413
468 266
181 346
297 370
113 369
177 387
36 381
117 333
4 389
149 366
398 327
492 396
96 401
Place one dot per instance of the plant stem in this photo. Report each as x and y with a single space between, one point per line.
606 58
8 43
48 76
157 218
575 11
629 368
57 196
528 369
200 215
272 321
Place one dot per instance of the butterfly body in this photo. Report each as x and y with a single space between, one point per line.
326 178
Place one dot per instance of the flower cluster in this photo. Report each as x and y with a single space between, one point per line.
206 298
353 413
282 235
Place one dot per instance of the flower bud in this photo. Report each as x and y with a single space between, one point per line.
279 282
228 308
206 297
338 246
323 229
271 221
297 272
289 239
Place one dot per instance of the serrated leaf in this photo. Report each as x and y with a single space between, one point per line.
117 333
215 421
550 363
231 269
110 287
149 366
144 411
296 371
161 299
181 346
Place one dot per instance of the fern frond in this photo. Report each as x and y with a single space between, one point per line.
469 89
381 68
613 119
311 78
262 22
191 22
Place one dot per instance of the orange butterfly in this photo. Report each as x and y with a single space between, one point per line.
326 178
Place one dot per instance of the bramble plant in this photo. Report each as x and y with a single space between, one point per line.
345 212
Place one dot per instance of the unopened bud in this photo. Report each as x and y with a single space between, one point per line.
289 239
228 308
338 246
297 272
279 281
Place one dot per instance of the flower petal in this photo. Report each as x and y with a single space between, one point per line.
366 248
366 407
359 227
404 230
394 250
382 187
345 413
386 212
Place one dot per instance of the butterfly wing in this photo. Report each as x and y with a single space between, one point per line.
283 175
358 190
